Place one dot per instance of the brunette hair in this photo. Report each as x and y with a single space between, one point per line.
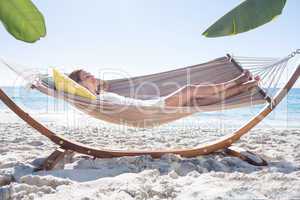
75 75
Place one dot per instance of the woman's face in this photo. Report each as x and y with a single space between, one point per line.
88 81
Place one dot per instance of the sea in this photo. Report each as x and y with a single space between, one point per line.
286 115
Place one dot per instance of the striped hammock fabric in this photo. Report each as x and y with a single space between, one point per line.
161 84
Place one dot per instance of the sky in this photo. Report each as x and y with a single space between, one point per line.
138 37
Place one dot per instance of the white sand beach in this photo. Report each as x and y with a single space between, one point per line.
171 177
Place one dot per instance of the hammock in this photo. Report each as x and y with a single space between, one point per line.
216 71
160 84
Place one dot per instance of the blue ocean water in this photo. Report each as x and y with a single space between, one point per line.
287 113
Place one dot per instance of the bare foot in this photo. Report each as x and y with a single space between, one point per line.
251 77
247 73
257 78
244 77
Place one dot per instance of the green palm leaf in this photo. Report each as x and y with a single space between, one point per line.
248 15
22 20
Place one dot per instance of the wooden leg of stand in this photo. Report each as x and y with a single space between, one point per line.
52 160
245 155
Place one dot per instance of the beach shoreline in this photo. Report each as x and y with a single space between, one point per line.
142 177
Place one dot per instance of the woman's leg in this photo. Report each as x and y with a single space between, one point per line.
208 90
244 77
187 94
224 95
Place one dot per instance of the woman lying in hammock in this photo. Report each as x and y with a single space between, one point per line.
185 96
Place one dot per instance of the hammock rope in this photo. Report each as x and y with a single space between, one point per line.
269 70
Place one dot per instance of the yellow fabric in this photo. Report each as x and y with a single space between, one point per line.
65 84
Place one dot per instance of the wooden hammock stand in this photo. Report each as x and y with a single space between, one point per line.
66 146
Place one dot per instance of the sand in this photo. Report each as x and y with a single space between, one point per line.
215 176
